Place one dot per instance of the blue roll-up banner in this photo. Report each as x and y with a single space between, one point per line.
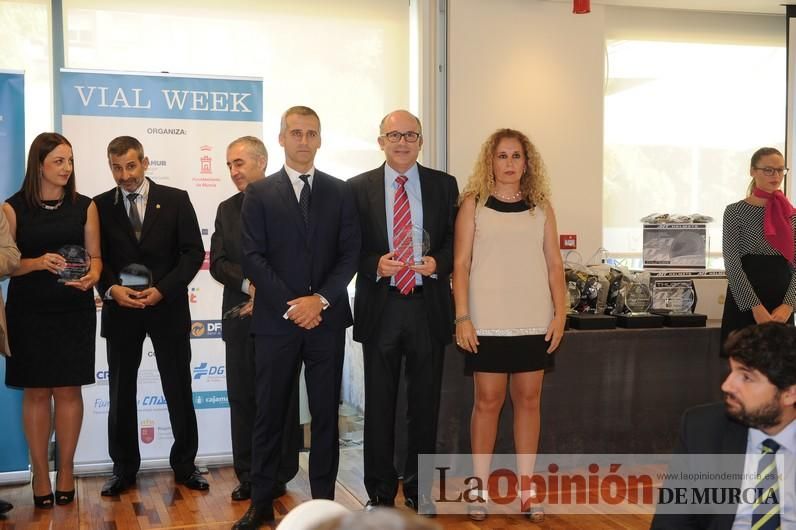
185 124
14 453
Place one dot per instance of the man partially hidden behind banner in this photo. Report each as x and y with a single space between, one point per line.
757 419
300 248
247 159
151 242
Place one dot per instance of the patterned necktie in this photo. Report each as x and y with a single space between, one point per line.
304 199
765 515
402 237
135 218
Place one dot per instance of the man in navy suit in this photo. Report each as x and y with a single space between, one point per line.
758 416
247 159
403 311
301 243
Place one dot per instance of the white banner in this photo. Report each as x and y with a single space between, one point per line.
185 125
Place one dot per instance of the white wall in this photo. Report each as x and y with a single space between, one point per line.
533 66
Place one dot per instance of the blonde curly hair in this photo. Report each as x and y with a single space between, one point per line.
534 186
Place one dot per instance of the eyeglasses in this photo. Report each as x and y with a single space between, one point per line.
395 136
769 171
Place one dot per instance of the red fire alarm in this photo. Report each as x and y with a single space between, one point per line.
581 7
568 241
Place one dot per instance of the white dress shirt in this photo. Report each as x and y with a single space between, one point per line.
786 468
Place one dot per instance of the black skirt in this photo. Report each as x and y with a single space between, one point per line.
770 278
51 349
508 355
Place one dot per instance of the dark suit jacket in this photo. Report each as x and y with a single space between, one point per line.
286 260
707 430
171 247
226 255
439 194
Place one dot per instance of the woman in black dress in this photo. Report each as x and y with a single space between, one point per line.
51 325
759 248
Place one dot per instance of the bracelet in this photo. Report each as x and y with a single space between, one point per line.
459 320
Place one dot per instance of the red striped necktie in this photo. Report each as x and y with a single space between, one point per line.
401 229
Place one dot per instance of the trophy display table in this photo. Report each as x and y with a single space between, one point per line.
611 391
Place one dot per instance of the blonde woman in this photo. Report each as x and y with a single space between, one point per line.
508 286
758 248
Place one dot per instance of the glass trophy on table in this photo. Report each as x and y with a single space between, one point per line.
583 304
573 294
637 298
675 300
78 263
136 276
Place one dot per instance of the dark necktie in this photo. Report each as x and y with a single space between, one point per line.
304 199
765 515
402 236
135 218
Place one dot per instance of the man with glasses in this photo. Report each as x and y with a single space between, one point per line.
300 248
403 303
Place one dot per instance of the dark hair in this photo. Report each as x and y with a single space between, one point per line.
760 153
769 348
42 146
121 144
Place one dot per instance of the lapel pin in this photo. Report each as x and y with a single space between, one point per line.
157 206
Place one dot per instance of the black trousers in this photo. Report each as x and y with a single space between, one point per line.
240 370
403 333
277 358
173 357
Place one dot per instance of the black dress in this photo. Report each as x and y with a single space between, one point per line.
51 327
756 272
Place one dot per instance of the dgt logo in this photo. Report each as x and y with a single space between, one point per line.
206 329
205 370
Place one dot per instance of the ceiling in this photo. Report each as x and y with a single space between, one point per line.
772 7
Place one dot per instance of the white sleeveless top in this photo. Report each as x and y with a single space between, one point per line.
509 291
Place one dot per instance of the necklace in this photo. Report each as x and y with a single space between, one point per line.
508 198
51 207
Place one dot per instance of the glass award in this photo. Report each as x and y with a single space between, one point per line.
77 263
413 242
638 298
574 295
239 311
136 276
676 299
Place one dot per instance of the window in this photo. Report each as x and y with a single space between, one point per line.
25 45
682 118
349 60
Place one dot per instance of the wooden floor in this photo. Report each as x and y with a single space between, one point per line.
158 503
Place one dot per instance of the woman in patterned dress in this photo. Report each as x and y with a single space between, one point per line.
508 285
759 249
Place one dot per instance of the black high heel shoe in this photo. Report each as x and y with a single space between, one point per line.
42 501
63 497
